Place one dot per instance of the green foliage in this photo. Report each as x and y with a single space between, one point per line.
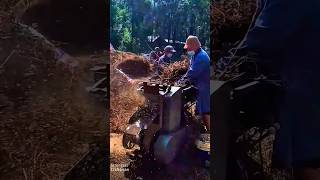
127 39
132 21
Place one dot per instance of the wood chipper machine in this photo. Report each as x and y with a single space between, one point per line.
161 131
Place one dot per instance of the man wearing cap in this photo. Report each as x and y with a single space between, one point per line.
155 55
199 75
158 52
168 53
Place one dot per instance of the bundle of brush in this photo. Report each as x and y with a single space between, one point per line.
230 20
233 13
175 71
7 5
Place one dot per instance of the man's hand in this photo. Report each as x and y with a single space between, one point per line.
184 81
180 82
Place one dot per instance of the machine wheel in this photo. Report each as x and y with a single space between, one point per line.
126 143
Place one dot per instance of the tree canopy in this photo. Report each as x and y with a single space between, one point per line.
133 21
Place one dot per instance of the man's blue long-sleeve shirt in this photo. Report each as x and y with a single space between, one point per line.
199 75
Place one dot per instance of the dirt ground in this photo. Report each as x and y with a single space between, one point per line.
117 156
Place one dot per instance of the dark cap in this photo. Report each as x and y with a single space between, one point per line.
169 49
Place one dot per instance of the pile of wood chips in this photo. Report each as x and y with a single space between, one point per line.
124 98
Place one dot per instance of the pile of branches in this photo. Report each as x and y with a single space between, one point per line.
230 20
231 13
8 5
175 71
13 6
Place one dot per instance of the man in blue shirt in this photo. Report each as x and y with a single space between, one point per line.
199 75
